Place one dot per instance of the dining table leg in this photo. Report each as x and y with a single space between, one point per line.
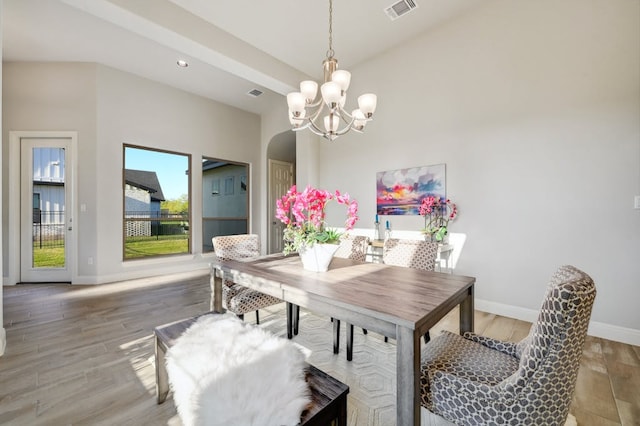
408 376
466 312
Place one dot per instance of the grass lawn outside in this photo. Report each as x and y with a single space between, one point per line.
138 247
48 257
135 247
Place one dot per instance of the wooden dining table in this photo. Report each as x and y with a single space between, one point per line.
400 303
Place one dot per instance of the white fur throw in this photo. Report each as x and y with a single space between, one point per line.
225 372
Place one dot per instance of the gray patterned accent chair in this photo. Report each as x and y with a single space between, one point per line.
353 247
475 380
235 297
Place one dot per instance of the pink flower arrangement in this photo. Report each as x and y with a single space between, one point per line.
437 215
304 215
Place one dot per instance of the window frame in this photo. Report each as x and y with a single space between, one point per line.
189 215
244 179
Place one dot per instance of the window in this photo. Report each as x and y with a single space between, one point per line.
37 215
228 185
156 188
225 199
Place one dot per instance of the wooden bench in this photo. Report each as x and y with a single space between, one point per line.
328 395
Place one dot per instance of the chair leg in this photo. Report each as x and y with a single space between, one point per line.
257 318
427 337
296 321
364 331
350 342
290 308
386 339
336 336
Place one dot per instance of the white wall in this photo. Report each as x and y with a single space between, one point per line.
3 335
138 111
535 109
108 108
58 97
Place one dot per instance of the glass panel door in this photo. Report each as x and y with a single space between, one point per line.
48 192
46 197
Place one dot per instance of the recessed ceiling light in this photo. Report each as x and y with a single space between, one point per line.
182 63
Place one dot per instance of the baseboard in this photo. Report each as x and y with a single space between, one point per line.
131 275
197 268
188 270
615 333
3 340
509 311
597 329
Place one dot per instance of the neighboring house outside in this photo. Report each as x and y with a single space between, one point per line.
224 200
143 195
48 194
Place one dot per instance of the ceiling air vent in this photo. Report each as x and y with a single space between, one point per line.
254 92
400 8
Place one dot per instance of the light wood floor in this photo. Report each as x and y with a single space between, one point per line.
84 355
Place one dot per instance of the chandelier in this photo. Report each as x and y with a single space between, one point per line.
305 111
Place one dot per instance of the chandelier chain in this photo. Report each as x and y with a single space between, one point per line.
330 52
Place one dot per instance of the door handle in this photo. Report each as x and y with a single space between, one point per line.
69 228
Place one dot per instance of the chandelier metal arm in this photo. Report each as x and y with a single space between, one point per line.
315 104
315 129
348 127
316 114
343 115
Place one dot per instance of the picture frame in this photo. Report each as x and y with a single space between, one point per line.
400 192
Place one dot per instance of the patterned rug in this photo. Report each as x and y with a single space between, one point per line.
371 376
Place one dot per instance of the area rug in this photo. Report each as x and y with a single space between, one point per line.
225 372
371 376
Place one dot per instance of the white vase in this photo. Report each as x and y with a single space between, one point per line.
317 257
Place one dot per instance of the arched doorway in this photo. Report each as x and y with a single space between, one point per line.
281 174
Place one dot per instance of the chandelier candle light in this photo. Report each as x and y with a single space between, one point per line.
305 110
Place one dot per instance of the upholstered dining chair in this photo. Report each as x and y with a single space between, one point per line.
235 297
353 247
418 254
473 379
